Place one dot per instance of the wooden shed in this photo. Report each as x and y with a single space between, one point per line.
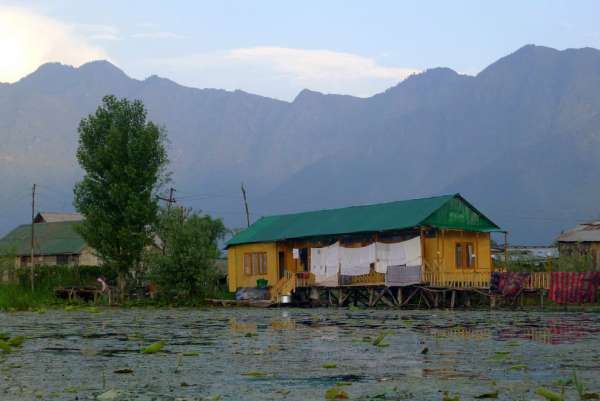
438 241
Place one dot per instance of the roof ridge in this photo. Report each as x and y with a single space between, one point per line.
360 206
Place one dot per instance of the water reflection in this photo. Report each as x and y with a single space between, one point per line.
258 354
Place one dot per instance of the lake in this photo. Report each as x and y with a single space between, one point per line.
296 354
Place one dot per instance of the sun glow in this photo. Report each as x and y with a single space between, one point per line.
28 40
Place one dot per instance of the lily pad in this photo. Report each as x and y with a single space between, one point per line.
153 348
16 341
329 365
336 393
548 394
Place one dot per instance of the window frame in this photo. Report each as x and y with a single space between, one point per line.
255 263
464 255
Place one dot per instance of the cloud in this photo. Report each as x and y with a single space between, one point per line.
99 32
157 35
28 40
282 72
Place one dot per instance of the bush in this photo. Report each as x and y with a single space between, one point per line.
184 268
51 277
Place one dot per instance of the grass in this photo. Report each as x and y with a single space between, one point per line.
15 297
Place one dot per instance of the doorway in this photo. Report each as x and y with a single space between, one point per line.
281 257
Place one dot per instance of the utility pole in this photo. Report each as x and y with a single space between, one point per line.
246 205
170 199
32 235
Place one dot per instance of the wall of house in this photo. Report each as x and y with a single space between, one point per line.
88 257
237 278
440 247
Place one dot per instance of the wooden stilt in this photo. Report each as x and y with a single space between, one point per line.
453 299
542 298
400 296
467 299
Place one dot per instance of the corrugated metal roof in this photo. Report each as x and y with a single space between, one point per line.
50 239
55 217
585 232
448 211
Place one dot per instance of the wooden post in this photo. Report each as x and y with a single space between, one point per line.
453 299
32 271
542 298
400 296
246 205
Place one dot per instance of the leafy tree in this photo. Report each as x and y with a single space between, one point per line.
184 267
124 159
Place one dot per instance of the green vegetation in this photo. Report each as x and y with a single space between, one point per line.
184 268
124 159
17 295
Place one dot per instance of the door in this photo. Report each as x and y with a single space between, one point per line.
281 265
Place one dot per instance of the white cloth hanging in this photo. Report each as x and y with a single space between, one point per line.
356 261
407 253
324 264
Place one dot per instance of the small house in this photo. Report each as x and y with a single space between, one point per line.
56 242
582 241
439 241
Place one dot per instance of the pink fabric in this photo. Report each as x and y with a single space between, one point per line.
574 287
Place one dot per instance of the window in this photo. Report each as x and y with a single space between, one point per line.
458 255
62 260
25 260
255 263
464 255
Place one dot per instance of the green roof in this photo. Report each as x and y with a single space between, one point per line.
448 211
50 239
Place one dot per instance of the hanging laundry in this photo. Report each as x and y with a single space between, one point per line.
402 275
356 261
405 253
324 264
509 284
574 287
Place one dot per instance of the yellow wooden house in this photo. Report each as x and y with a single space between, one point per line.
441 241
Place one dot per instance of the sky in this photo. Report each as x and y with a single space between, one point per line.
277 48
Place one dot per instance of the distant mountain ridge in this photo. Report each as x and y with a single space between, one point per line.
520 140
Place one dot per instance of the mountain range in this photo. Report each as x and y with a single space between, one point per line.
520 140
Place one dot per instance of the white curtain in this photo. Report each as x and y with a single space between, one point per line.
327 261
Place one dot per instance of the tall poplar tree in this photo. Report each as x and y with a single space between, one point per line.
124 159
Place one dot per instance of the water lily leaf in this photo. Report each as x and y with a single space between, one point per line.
335 393
16 341
329 365
109 395
491 394
153 348
549 395
379 339
518 367
447 397
71 390
254 373
5 347
190 354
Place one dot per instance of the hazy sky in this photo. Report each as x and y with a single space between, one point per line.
276 48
